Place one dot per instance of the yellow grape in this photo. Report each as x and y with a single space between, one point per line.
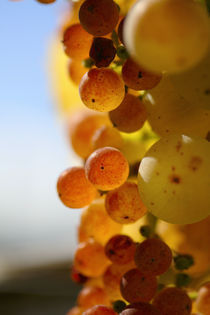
107 136
203 299
90 296
167 35
174 179
76 70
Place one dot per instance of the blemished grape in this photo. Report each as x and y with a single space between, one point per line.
137 78
102 51
82 127
203 299
137 287
90 259
120 249
76 70
130 115
153 257
106 168
102 89
100 310
167 35
107 136
77 42
98 17
173 301
140 309
90 296
76 310
97 224
124 204
73 188
174 179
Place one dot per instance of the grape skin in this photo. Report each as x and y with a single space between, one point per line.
203 299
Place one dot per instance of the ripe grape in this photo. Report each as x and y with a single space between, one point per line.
90 296
167 35
99 310
73 188
77 42
98 17
101 89
76 70
153 257
173 301
130 115
78 277
124 204
107 136
120 30
106 168
120 249
137 78
102 51
76 310
90 259
203 299
137 287
97 224
174 179
140 309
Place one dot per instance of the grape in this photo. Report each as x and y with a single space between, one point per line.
203 299
90 259
124 204
102 51
98 17
153 257
82 127
120 249
174 179
45 1
77 277
130 115
173 301
137 287
101 89
77 42
99 310
120 30
76 71
75 311
107 136
137 78
97 224
90 296
73 188
167 35
170 113
140 309
106 168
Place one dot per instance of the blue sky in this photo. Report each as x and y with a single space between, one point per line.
34 226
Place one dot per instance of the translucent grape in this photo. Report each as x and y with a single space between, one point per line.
120 249
102 51
101 89
90 296
106 168
153 257
98 17
76 70
167 35
130 115
203 299
95 223
174 179
124 204
73 188
137 78
173 301
99 310
77 42
140 309
137 287
90 259
107 136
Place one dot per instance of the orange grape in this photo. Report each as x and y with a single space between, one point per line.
124 204
90 296
77 42
75 311
107 136
77 277
203 299
101 89
99 17
138 287
173 301
102 51
99 310
120 249
106 168
76 70
73 188
137 78
153 256
95 223
140 309
130 115
90 259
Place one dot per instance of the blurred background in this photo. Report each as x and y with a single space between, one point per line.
37 233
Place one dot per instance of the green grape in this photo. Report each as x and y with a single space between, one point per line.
174 179
170 113
167 35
